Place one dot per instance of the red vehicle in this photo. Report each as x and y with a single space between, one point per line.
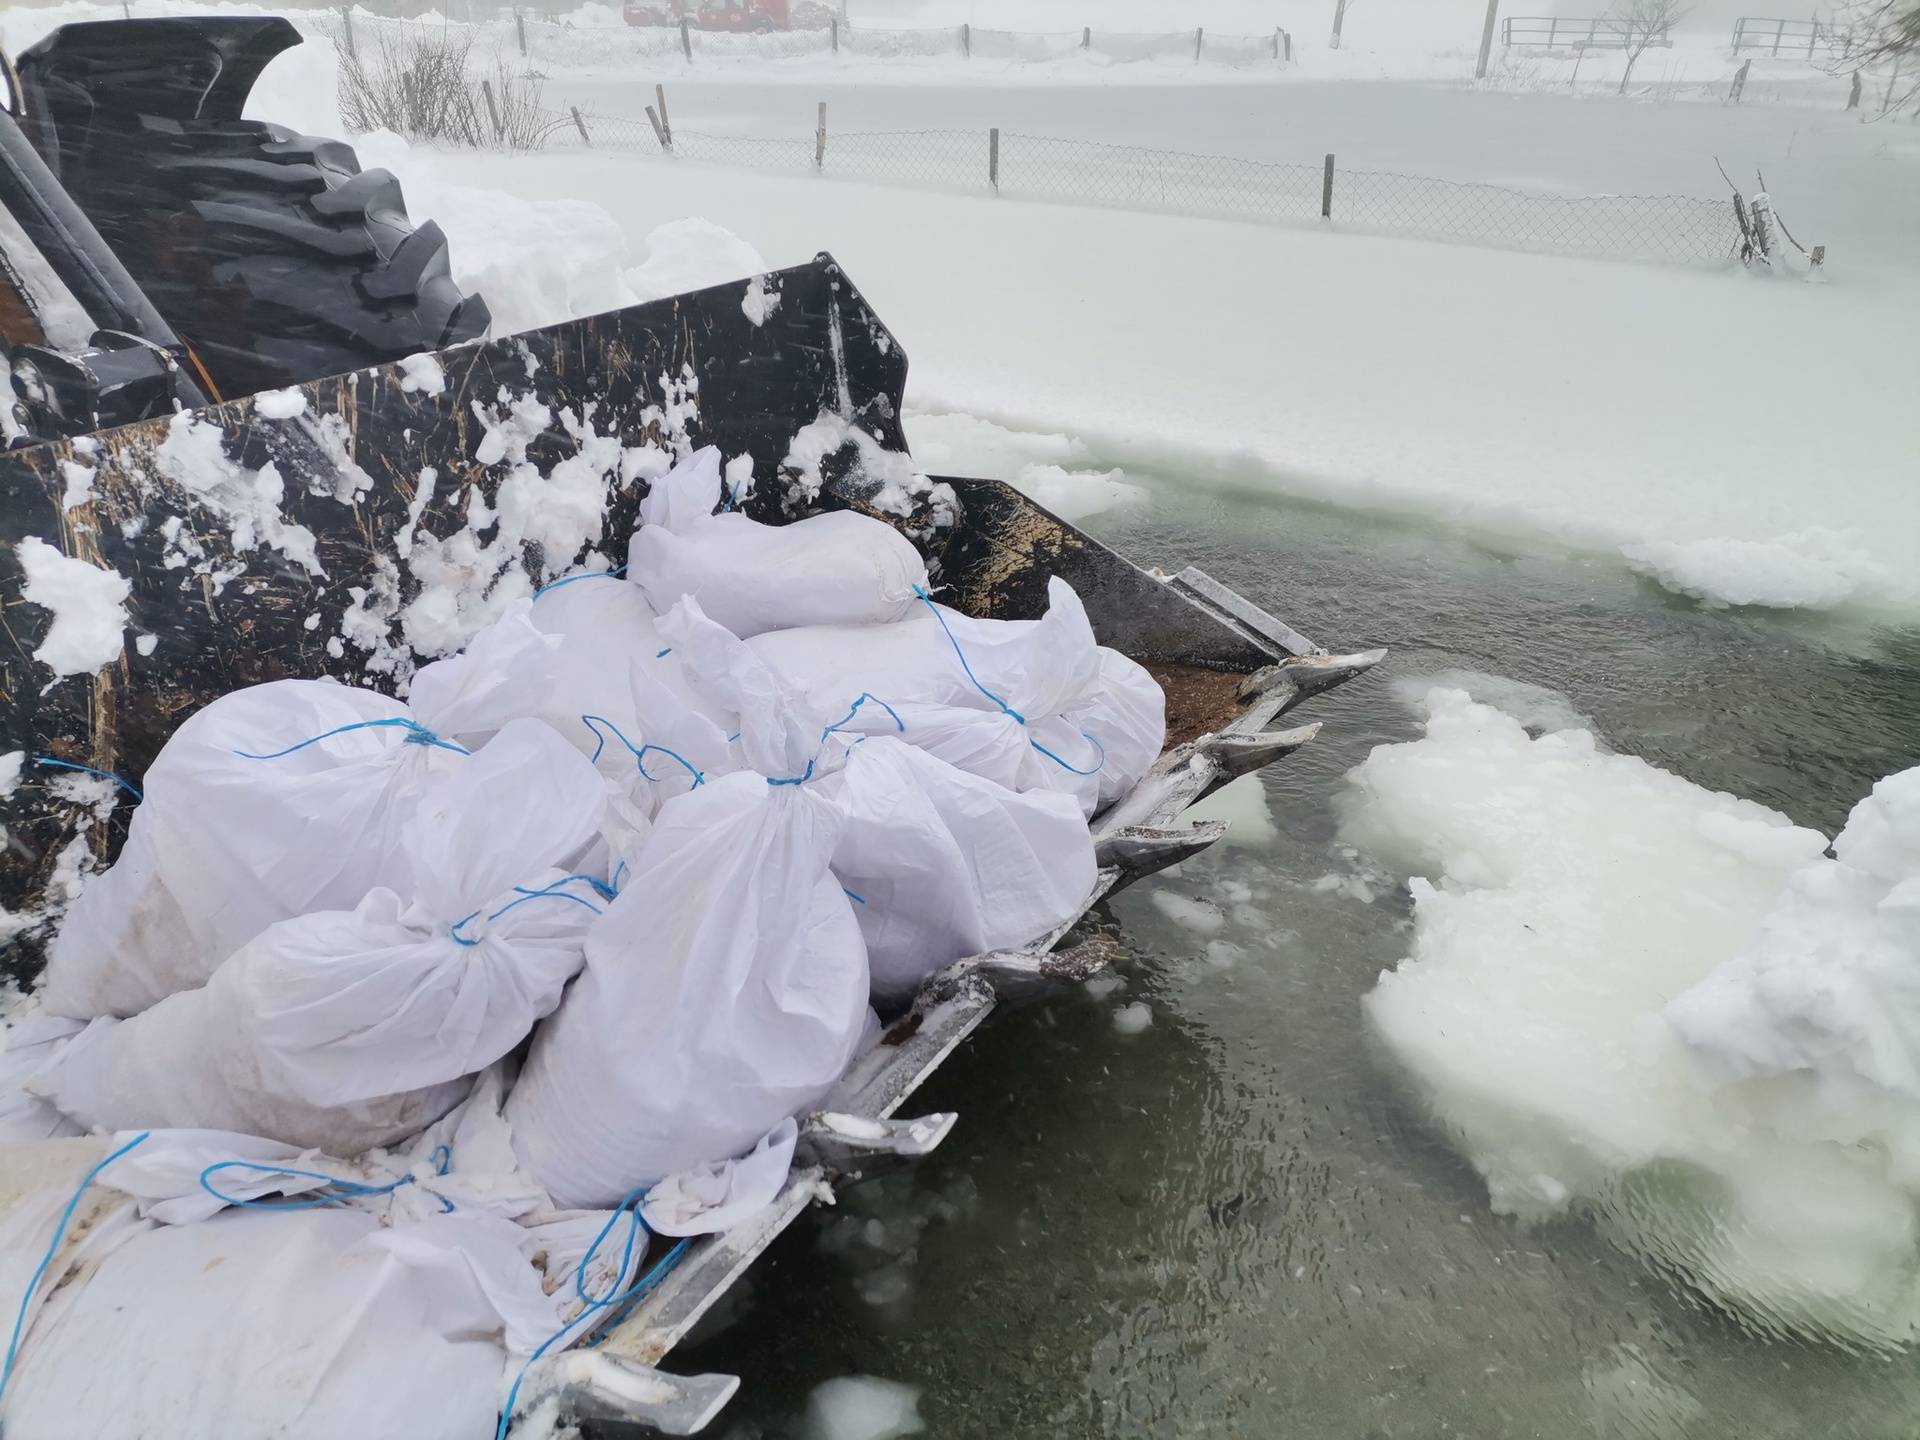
731 15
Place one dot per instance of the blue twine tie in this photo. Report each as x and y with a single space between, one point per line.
417 734
639 752
344 1189
612 574
59 1234
550 892
616 1301
54 764
1005 708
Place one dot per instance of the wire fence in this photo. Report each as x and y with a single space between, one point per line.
1671 228
560 46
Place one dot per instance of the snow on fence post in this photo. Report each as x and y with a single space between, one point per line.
499 130
686 40
581 126
520 25
666 120
820 139
1326 192
1199 37
966 40
993 158
346 22
1486 40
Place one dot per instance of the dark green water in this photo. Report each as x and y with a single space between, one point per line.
1238 1223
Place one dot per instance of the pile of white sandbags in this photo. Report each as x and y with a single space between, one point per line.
641 858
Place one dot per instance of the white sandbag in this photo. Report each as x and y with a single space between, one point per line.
711 1199
224 845
839 568
1126 711
1019 702
943 864
564 657
724 989
346 1029
311 1323
30 1044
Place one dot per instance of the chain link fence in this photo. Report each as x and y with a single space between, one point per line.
1670 228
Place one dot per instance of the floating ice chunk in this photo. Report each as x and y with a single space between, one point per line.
1202 917
1224 954
88 604
1815 569
1133 1019
1243 805
1572 896
280 404
859 1407
1540 709
1103 985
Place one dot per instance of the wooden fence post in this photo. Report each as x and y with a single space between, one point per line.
686 40
1286 46
820 139
659 131
1339 19
346 19
499 130
993 158
1486 40
520 24
966 41
1199 37
666 120
1853 98
1326 192
1813 34
581 125
1740 81
1086 37
835 22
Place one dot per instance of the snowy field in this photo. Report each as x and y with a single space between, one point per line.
1616 502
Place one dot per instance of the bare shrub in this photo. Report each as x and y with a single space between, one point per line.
412 80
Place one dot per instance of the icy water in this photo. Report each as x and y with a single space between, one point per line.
1237 1222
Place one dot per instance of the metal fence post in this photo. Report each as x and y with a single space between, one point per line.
1326 192
499 130
346 20
686 40
666 120
581 125
966 40
993 158
520 24
1486 40
1199 38
820 139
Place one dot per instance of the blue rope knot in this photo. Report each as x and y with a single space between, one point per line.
550 892
639 752
417 734
799 779
1005 708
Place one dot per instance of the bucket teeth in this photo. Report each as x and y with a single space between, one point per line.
597 1385
1137 851
1307 675
849 1147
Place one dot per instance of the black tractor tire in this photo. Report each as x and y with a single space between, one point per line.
273 255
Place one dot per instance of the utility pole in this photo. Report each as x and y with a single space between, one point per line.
1486 39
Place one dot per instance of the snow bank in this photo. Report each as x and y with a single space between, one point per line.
692 254
1563 898
1815 569
1051 469
88 604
